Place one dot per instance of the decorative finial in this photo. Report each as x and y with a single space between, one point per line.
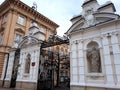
86 0
34 6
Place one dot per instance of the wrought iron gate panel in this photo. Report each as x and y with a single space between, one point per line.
49 63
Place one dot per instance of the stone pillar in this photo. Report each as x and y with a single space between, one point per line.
81 63
116 54
77 60
9 69
24 80
71 63
74 67
107 60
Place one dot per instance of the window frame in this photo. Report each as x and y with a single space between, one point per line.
1 37
19 38
21 20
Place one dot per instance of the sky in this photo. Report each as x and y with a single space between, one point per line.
61 11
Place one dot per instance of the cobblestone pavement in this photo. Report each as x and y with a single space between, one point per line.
60 88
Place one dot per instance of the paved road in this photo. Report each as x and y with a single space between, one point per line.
66 88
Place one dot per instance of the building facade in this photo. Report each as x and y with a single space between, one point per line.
19 38
95 47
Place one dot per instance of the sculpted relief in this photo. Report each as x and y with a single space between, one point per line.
27 64
93 59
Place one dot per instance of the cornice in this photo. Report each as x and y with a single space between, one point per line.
85 3
93 26
35 13
102 7
23 6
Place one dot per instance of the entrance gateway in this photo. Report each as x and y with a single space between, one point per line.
28 67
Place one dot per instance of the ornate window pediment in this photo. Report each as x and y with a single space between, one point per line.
28 40
20 30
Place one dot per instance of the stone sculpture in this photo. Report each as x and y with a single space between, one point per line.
93 57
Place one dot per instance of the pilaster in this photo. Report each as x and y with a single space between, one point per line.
81 64
107 60
116 54
74 65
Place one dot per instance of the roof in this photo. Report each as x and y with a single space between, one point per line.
75 17
88 1
107 4
27 8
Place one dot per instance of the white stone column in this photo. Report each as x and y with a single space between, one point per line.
81 63
35 59
77 60
10 65
31 67
19 68
116 54
71 77
107 60
74 65
33 75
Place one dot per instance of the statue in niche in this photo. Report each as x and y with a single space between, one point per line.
93 57
27 64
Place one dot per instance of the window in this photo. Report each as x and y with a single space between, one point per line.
27 64
5 18
17 38
1 38
21 20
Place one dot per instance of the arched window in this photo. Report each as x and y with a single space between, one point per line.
27 64
93 58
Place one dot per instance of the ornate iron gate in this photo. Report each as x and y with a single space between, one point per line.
49 63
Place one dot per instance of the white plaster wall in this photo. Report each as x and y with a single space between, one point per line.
81 64
110 76
34 51
74 73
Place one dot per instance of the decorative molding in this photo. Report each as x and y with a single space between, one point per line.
20 30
